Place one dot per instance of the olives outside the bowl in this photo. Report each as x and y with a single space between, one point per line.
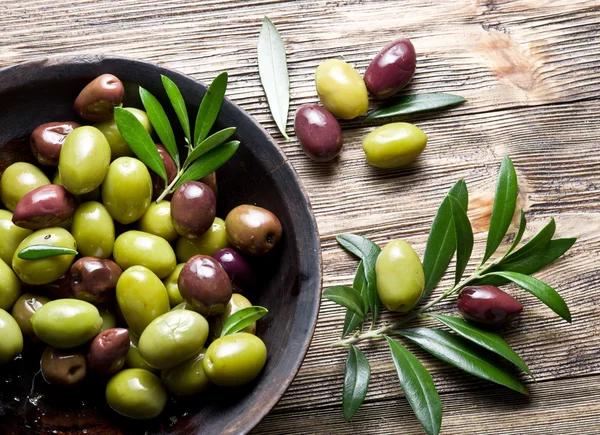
237 268
252 230
392 68
11 236
205 285
394 145
64 367
93 230
24 308
97 101
94 280
136 248
193 209
18 180
10 286
136 393
107 351
47 140
341 89
208 243
318 132
118 146
44 207
11 343
488 305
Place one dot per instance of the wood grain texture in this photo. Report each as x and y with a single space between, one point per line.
531 72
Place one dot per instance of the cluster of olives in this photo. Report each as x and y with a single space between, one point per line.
344 93
401 281
152 284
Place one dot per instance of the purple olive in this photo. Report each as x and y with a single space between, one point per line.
94 280
107 351
158 184
193 209
391 69
97 101
44 207
204 283
488 304
318 132
236 266
47 140
211 181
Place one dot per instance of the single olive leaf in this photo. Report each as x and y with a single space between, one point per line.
210 107
409 104
352 320
161 123
418 387
519 235
368 252
37 252
464 237
272 68
209 162
208 144
346 297
535 245
242 318
503 209
484 338
139 141
460 192
178 104
540 290
461 354
356 382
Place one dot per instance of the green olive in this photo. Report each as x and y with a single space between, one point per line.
109 320
11 235
341 89
136 393
12 339
400 278
234 359
18 180
210 242
25 307
127 190
109 129
134 359
188 378
10 286
84 160
236 303
170 282
173 338
66 323
93 230
394 145
157 221
46 270
142 297
135 248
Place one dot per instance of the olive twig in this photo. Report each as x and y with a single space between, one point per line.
170 186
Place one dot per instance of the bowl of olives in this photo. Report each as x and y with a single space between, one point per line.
122 309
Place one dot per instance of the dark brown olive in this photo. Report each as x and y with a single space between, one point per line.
47 140
63 367
97 101
211 181
205 285
108 350
24 308
391 69
158 184
61 288
318 132
488 304
252 230
193 209
237 268
44 207
94 280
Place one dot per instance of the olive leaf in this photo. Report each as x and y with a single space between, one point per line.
519 235
356 382
418 387
209 162
409 104
535 245
242 318
346 297
178 104
460 353
139 141
352 320
464 237
460 192
209 143
486 339
37 252
210 107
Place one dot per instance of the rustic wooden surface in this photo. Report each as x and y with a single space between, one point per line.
531 72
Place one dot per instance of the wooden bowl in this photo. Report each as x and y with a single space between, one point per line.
289 279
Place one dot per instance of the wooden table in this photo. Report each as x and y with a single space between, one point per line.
531 72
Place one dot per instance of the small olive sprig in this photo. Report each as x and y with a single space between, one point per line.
469 348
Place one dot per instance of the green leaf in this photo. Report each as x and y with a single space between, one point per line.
540 290
210 107
352 320
464 238
535 245
463 355
139 141
242 318
504 207
346 297
520 232
409 104
178 104
440 247
37 252
356 382
368 252
208 144
418 387
484 338
460 192
272 68
161 123
209 162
